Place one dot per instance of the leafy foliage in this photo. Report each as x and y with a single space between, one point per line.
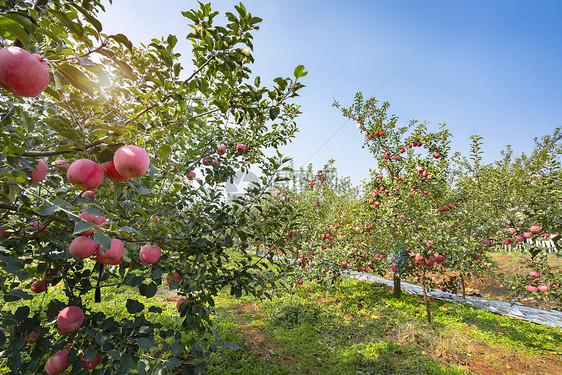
106 92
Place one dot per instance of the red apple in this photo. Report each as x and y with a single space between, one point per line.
22 73
241 148
57 363
430 261
83 247
191 175
40 172
69 319
532 288
534 274
131 161
535 229
221 149
93 363
98 220
4 233
180 302
511 230
299 282
174 276
436 156
543 288
38 286
31 338
111 172
150 254
114 255
527 234
85 173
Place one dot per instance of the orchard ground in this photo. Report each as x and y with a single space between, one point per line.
356 328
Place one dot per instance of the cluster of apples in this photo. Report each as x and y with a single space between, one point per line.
317 177
128 162
366 134
542 286
70 319
447 207
534 229
418 258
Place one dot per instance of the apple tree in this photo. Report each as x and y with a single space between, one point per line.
112 174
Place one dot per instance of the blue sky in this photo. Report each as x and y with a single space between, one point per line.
492 68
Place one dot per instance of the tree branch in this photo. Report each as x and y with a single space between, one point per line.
52 153
33 212
204 114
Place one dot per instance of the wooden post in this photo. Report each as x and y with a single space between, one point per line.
396 287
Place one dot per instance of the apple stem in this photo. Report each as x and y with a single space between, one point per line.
97 296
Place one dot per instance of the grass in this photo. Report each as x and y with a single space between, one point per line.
360 329
354 328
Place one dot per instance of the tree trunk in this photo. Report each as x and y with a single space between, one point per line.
425 299
397 288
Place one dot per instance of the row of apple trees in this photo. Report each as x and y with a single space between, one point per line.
112 162
427 211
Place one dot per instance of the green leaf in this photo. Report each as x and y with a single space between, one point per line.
120 38
89 355
49 34
125 69
164 151
75 27
13 150
230 345
22 313
76 78
15 29
94 211
82 226
48 209
103 240
16 295
63 127
172 363
148 290
299 71
146 343
127 363
88 16
155 309
133 306
101 338
274 112
177 348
